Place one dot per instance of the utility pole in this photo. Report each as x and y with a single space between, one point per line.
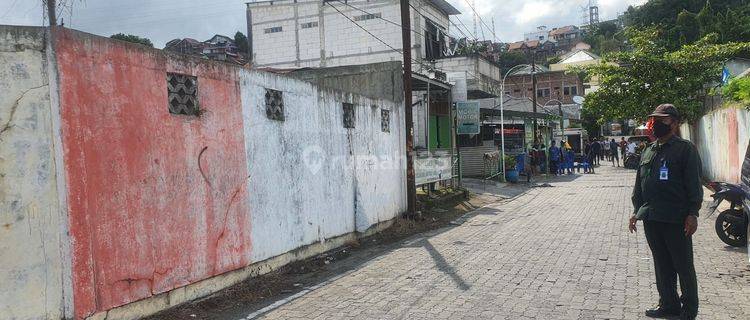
51 14
533 94
411 188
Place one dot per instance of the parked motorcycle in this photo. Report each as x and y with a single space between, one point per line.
731 224
632 160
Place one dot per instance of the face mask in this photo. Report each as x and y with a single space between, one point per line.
661 129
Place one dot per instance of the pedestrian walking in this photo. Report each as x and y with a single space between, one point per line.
667 196
613 148
555 156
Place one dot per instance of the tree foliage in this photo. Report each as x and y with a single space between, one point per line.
738 90
605 37
686 21
240 40
632 83
133 39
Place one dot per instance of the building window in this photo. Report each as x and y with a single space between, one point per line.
568 91
273 30
308 25
274 105
349 117
368 17
182 93
542 93
434 40
517 90
385 120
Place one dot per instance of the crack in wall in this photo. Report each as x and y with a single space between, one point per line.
9 124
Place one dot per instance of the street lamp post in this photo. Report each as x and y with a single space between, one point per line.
559 108
502 116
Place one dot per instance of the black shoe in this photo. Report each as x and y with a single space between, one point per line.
658 312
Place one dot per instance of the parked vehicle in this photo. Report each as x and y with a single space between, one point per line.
632 160
731 224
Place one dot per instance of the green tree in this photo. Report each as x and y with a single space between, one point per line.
688 27
632 83
240 40
133 39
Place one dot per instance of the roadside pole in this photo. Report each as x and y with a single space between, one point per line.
411 188
51 12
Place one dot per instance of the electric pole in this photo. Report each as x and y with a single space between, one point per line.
51 14
411 188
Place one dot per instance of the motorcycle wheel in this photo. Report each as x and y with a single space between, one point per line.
728 230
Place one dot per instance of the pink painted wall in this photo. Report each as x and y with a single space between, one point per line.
148 212
722 137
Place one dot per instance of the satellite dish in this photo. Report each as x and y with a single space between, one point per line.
578 99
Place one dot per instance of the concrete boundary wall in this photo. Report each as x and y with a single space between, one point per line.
118 209
34 256
721 137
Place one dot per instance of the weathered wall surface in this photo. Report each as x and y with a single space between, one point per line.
310 178
109 199
32 224
157 200
721 137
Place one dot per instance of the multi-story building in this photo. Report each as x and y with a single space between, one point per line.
185 46
551 85
541 34
566 37
293 34
219 47
314 33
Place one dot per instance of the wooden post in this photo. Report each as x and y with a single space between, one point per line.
411 189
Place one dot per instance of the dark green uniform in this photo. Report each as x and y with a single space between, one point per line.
668 189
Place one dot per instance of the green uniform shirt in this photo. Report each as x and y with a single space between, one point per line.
668 186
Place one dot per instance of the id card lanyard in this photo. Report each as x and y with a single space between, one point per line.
664 171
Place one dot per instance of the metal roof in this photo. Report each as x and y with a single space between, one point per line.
445 7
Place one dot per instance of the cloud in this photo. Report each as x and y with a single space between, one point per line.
163 20
532 11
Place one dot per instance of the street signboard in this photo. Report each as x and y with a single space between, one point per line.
467 117
432 169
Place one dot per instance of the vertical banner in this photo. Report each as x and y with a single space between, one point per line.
467 117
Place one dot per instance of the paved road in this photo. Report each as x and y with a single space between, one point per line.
560 252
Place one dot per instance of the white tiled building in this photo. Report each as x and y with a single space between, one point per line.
313 33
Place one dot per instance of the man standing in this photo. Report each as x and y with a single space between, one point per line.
606 147
613 149
596 148
623 148
554 158
667 196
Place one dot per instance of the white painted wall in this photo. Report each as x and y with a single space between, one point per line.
32 226
310 178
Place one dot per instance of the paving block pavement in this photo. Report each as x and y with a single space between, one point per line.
560 252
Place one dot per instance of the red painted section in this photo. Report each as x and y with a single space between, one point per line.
156 201
733 141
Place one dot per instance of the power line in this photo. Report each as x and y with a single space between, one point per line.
414 60
379 17
363 29
482 21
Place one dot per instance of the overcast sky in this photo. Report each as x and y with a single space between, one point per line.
163 20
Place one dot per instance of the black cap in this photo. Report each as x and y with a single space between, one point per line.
665 110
